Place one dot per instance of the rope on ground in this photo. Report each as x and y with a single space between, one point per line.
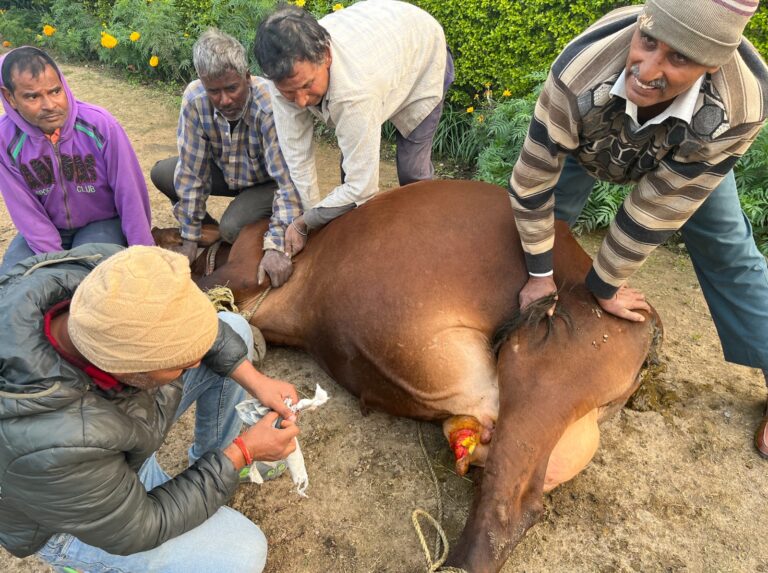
434 563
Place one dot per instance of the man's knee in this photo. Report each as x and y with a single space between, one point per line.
241 327
229 228
248 551
162 177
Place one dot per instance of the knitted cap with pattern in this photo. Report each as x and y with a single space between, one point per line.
706 31
139 311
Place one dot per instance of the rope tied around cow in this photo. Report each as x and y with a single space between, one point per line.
223 299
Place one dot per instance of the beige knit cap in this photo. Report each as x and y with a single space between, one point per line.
706 31
139 311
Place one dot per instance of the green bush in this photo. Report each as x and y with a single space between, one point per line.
502 43
79 36
18 27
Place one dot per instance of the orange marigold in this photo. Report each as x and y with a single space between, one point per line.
49 30
108 40
7 44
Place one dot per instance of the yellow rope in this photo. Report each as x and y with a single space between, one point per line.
222 299
434 565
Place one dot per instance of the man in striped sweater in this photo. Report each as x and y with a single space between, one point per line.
667 96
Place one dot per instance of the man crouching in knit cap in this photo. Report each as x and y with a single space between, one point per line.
666 97
102 350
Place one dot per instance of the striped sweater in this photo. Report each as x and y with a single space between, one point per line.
675 165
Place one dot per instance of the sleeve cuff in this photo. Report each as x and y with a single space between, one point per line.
598 286
539 265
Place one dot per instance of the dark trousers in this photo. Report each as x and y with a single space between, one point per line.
248 206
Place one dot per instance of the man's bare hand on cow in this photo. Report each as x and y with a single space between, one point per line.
537 288
624 302
296 236
187 248
275 264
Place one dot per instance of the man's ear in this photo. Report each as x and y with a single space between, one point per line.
8 96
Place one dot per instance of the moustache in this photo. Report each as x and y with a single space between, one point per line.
660 83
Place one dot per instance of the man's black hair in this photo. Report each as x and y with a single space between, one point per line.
25 59
289 35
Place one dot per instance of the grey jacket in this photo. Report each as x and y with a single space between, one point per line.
70 453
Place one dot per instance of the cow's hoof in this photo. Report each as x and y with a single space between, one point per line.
761 436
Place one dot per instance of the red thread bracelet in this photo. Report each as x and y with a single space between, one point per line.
238 441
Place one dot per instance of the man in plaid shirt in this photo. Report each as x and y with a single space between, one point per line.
228 146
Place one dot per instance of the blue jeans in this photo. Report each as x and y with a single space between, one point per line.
731 270
106 231
227 541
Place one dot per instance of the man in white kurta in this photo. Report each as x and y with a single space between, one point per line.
354 69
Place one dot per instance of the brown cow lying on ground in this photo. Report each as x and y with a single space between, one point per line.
399 300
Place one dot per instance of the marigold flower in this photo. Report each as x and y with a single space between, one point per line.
470 109
337 7
49 30
7 44
153 61
506 93
300 3
134 37
108 40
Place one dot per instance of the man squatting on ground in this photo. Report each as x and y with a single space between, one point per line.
355 69
667 96
103 349
68 173
228 147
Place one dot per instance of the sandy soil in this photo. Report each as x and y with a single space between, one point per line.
676 485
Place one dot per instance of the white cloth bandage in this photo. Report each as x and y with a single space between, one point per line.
252 410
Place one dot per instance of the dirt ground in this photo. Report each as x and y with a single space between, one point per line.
676 485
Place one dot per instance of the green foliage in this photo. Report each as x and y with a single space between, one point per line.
602 206
757 30
501 43
19 27
752 182
79 38
162 36
240 18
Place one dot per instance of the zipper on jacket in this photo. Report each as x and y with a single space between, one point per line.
63 182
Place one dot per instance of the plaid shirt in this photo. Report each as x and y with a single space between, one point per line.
247 156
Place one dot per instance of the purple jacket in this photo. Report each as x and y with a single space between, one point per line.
91 174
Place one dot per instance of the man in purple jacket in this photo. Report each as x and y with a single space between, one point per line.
68 173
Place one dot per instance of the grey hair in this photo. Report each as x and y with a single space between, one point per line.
215 53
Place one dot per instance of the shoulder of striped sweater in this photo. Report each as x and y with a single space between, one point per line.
743 84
